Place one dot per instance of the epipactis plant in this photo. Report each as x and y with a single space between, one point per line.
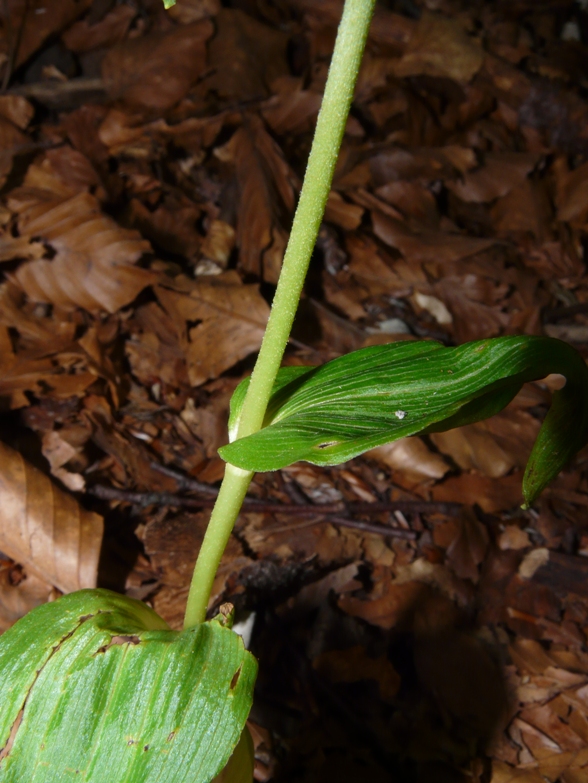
95 687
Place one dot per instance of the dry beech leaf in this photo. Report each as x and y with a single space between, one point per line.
292 112
154 350
187 11
16 110
430 246
84 37
19 593
35 25
500 173
490 494
571 192
245 56
44 529
266 194
230 321
474 448
504 773
526 208
467 550
441 47
492 447
394 608
156 71
93 266
411 457
512 537
12 141
50 362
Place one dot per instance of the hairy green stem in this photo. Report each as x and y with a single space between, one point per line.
330 127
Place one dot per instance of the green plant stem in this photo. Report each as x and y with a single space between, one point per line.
349 46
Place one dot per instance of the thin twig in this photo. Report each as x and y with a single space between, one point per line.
319 513
184 482
356 524
254 505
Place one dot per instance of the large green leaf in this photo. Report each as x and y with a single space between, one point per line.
329 414
95 687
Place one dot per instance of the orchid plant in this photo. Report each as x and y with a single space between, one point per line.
95 686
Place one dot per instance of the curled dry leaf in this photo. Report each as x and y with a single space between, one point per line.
94 257
265 190
44 529
411 457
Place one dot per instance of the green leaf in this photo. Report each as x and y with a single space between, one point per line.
327 415
95 687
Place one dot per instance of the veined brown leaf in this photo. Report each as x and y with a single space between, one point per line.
93 263
44 529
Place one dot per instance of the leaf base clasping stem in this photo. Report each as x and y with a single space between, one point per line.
349 46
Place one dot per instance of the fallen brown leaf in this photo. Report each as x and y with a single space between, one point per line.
93 262
44 529
230 320
266 195
245 56
427 246
441 47
84 37
411 457
36 26
157 70
17 110
500 173
19 593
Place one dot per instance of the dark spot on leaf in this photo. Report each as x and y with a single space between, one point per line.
327 444
235 679
146 747
118 640
171 735
131 742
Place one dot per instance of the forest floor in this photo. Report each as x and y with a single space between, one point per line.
412 622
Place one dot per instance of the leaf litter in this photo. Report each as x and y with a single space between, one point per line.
420 623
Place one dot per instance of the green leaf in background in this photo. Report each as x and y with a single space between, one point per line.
95 687
327 415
